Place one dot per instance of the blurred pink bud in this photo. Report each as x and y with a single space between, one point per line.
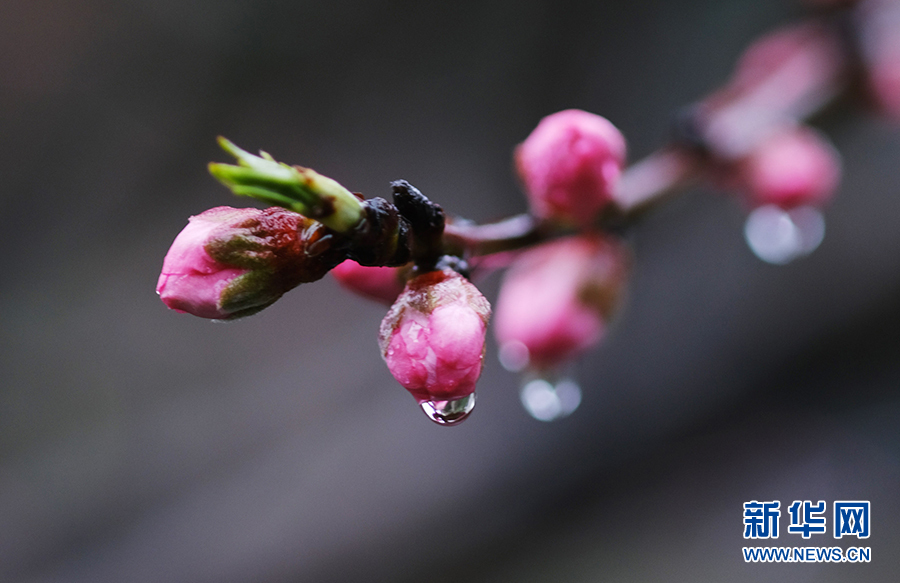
432 339
879 38
884 83
803 50
227 262
792 65
792 167
555 300
382 284
569 165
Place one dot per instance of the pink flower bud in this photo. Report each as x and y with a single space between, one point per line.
227 262
382 284
555 300
432 339
569 165
792 167
884 84
803 50
879 39
778 73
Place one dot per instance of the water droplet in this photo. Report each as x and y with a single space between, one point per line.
513 356
778 236
449 412
547 401
811 227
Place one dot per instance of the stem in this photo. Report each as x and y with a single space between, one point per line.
663 172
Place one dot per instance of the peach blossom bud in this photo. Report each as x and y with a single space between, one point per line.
569 165
228 263
777 77
792 167
803 49
432 339
382 284
555 300
879 39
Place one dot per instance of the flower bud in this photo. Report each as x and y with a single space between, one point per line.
555 300
228 263
382 284
792 167
879 40
569 165
801 49
432 339
777 78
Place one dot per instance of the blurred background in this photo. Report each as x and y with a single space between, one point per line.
142 445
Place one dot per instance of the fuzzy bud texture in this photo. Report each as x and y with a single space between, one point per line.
556 298
229 262
569 165
793 167
432 339
382 284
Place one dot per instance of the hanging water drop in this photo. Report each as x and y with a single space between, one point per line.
778 236
449 412
547 401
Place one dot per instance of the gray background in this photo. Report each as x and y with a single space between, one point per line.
137 444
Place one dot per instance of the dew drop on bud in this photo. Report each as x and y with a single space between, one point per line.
778 236
449 412
546 401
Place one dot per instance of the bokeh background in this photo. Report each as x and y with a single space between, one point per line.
141 445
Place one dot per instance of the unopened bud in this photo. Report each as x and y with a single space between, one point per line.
432 339
569 165
792 167
228 263
799 49
556 299
879 40
382 284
